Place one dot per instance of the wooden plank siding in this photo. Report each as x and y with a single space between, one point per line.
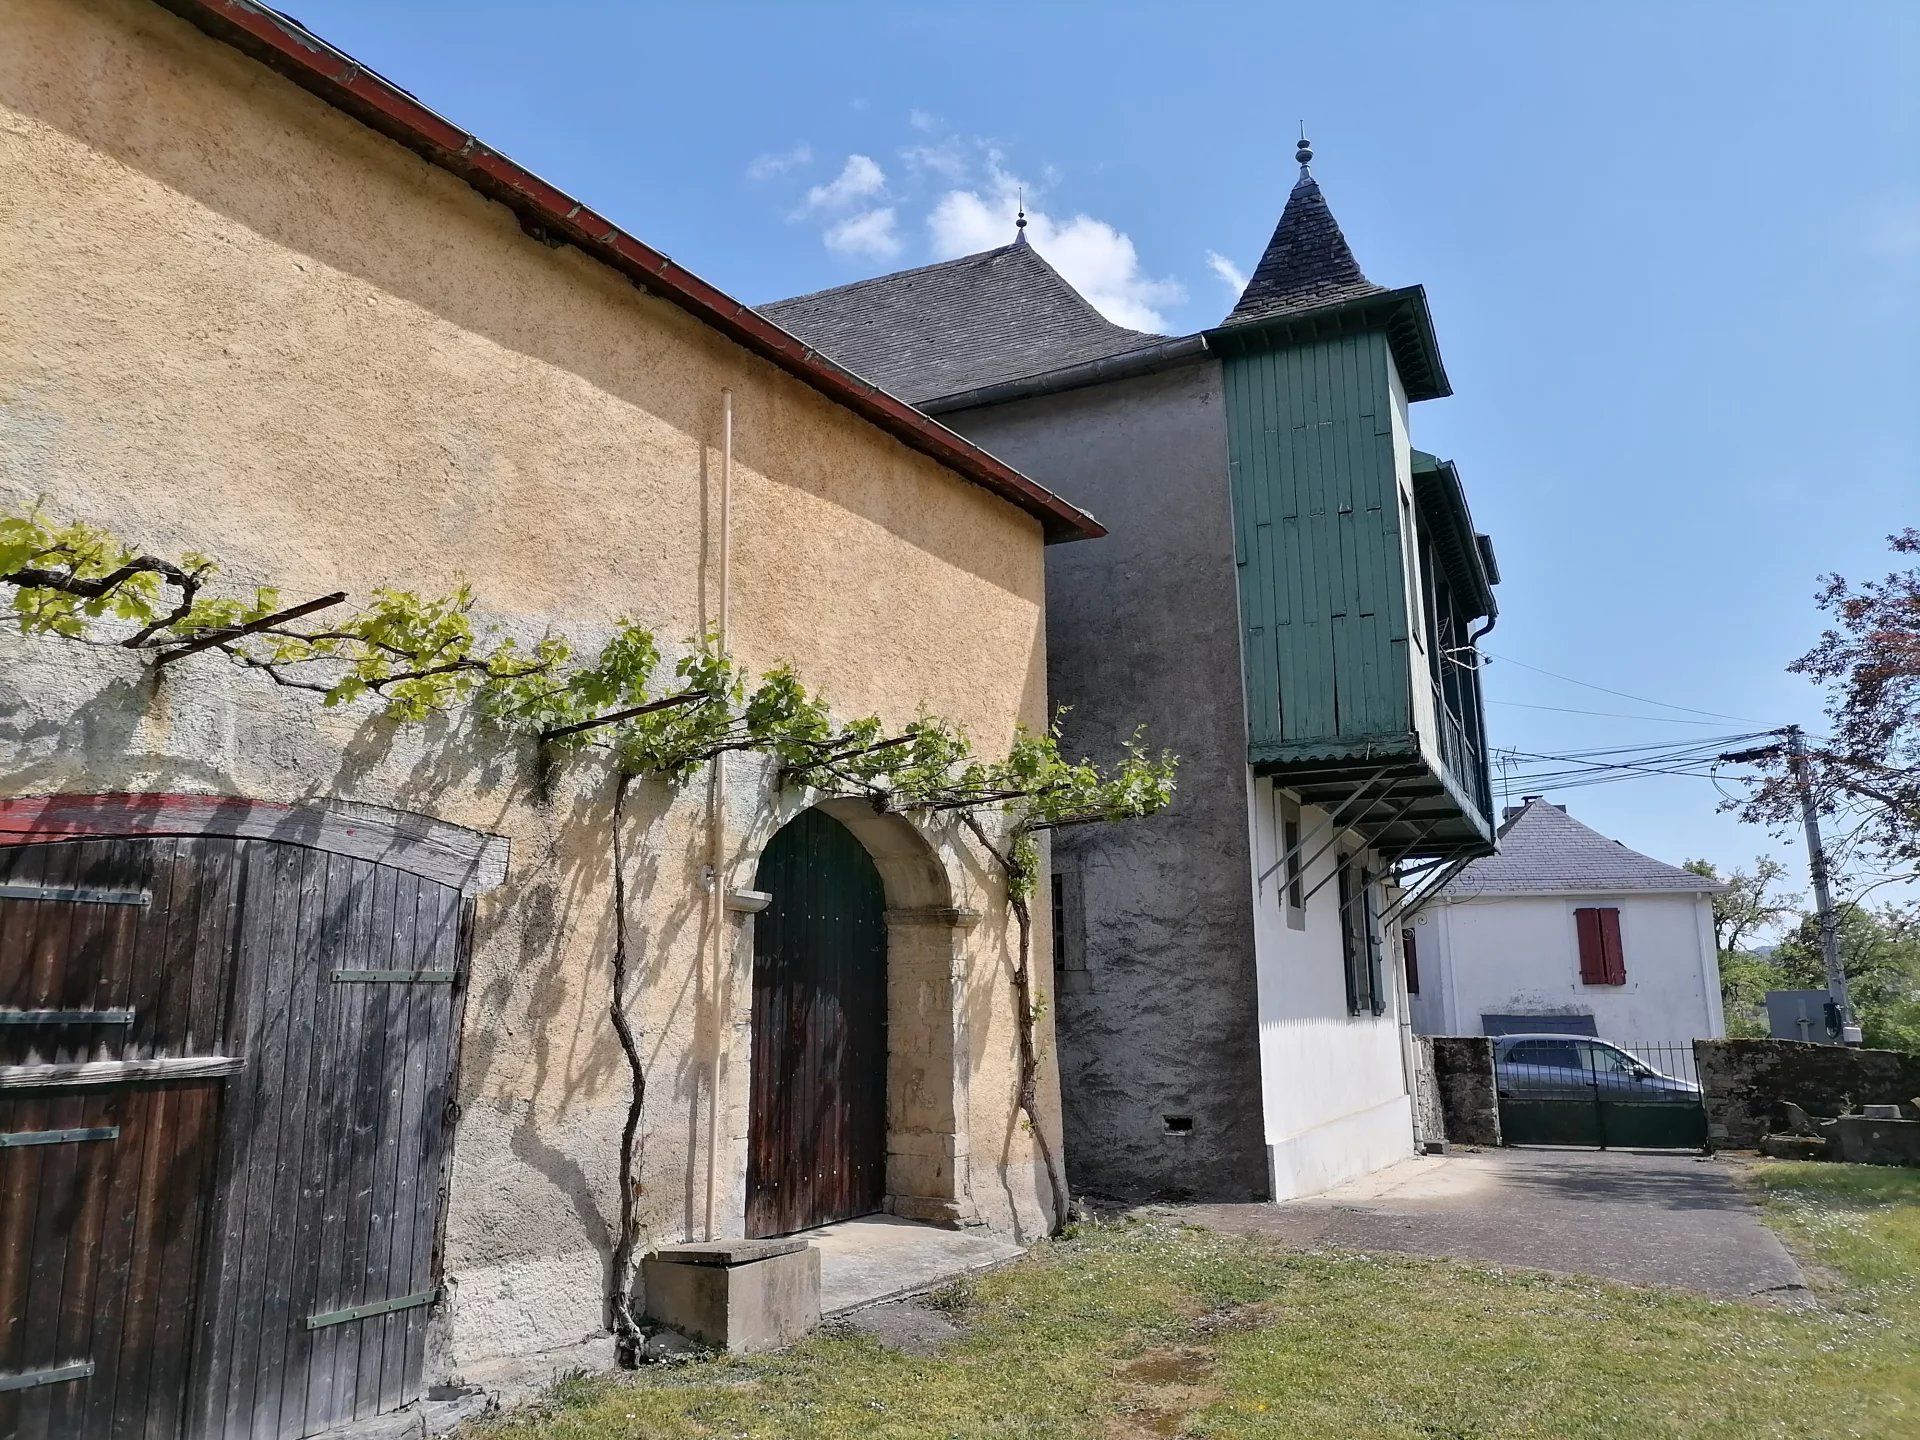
161 1268
322 1191
99 1240
1318 525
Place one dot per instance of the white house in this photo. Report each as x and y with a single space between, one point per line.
1567 930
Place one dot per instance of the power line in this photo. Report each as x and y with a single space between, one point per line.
1699 760
1624 695
1705 743
1604 714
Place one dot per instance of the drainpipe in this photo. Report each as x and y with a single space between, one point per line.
718 821
1474 637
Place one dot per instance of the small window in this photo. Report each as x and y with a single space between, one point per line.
1360 939
1294 895
1602 961
1411 953
1410 554
1069 924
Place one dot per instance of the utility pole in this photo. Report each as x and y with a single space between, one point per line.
1822 896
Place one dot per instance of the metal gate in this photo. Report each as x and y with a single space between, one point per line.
225 1083
1571 1090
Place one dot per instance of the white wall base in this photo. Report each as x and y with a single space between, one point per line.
1354 1145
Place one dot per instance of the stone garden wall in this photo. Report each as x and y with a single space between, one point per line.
1746 1081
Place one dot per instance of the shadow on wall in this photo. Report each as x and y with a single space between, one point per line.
397 230
531 934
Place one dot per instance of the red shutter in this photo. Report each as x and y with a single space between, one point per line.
1413 962
1593 956
1616 962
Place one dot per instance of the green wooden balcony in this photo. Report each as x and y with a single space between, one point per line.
1362 582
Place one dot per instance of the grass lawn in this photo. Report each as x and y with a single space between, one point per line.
1152 1330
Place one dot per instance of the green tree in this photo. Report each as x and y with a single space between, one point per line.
1751 905
1880 951
1866 776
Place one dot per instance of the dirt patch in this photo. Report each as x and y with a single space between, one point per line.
1165 1386
1168 1367
1234 1320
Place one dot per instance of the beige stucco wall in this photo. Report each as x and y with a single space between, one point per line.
234 320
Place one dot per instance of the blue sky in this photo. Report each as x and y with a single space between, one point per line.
1673 253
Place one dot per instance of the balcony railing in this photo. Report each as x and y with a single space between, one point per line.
1459 755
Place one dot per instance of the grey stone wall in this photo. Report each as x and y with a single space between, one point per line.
1463 1075
1429 1119
1157 1012
1745 1082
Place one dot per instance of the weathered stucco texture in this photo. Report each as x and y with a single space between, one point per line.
233 320
1160 1022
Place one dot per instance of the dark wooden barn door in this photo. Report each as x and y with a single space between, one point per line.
321 1265
226 1225
116 962
817 1130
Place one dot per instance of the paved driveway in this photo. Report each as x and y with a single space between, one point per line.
1659 1219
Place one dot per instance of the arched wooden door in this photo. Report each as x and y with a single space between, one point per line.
817 1130
225 1076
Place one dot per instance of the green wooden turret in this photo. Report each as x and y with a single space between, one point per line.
1357 591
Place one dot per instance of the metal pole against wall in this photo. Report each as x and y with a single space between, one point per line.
717 855
1822 895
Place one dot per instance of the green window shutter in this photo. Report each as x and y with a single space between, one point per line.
1350 946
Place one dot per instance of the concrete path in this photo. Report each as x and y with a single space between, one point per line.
865 1261
1646 1218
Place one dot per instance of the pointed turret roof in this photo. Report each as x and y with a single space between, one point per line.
1307 263
1308 284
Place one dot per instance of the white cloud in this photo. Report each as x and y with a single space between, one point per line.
765 167
1229 273
921 120
871 232
1095 258
946 158
858 179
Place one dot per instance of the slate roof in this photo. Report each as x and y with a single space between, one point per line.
1307 265
1544 850
983 319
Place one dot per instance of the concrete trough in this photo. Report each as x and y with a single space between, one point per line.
737 1295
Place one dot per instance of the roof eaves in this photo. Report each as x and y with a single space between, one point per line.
1437 485
1402 313
548 213
1147 360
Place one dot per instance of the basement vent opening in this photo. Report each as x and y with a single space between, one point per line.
1178 1124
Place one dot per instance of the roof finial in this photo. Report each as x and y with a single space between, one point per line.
1020 216
1304 152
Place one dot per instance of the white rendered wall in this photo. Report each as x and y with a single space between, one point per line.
1520 954
1425 722
1333 1085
